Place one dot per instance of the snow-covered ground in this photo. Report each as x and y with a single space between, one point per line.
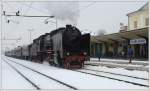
11 79
118 60
38 79
135 65
73 78
129 79
111 63
136 73
121 73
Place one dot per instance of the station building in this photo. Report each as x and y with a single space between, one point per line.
135 34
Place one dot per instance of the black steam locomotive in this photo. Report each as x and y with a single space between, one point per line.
64 47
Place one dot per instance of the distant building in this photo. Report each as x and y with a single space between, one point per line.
139 18
123 27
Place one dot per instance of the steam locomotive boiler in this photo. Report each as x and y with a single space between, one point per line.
69 48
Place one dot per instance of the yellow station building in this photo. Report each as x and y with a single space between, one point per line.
135 34
139 19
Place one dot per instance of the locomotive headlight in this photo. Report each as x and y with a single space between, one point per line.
68 53
85 53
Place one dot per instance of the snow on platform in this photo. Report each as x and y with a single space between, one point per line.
135 65
121 61
76 79
135 73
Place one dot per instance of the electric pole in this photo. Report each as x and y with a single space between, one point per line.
30 31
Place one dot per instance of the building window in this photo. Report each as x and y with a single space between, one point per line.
146 21
135 24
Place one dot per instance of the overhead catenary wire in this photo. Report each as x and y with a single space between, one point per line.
24 13
21 1
8 5
30 7
4 12
27 15
46 12
14 12
42 11
89 5
15 27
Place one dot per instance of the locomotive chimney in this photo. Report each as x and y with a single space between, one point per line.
68 26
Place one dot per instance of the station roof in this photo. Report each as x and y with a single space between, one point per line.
121 36
144 7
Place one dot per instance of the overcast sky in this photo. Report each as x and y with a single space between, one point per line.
89 16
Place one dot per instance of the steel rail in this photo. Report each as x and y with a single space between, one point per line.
33 84
72 87
112 78
116 74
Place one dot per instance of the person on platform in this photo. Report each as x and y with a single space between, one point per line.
130 54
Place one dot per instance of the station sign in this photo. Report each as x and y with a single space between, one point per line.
138 41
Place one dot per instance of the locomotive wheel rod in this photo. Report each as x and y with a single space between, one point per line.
74 88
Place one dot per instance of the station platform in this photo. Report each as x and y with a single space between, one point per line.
113 63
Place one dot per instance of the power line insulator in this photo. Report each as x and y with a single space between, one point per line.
17 13
4 12
46 22
8 21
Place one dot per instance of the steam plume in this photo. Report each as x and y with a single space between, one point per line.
65 11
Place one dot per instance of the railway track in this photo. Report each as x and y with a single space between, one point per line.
134 83
92 64
117 74
126 81
32 83
49 77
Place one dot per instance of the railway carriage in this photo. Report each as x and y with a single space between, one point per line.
18 52
25 52
33 51
48 47
40 48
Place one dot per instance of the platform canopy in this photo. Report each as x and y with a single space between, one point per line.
121 36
